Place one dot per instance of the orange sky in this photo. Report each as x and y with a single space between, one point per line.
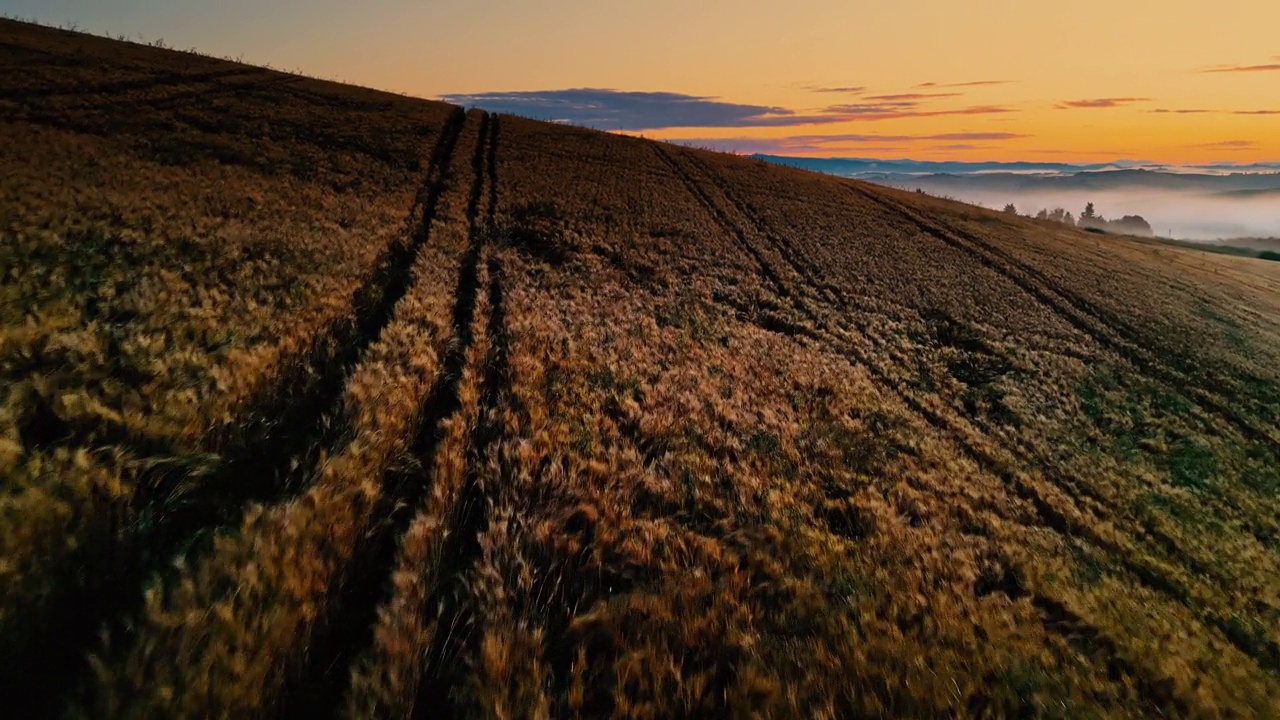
1085 78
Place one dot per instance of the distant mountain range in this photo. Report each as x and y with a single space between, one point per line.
867 168
1201 202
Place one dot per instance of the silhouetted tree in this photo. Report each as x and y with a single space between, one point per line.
1090 219
1131 225
1042 215
1010 209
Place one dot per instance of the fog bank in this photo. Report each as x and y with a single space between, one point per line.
1172 213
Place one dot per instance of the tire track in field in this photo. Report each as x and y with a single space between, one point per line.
785 249
1265 652
825 332
1107 320
1104 327
1054 518
338 643
960 436
282 432
822 293
1159 696
294 417
462 544
722 219
949 429
770 322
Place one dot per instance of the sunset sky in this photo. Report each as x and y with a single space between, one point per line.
1176 81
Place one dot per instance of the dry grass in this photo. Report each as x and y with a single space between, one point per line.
543 422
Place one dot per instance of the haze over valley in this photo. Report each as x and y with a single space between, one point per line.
1202 203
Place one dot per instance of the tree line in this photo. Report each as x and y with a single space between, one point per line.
1090 220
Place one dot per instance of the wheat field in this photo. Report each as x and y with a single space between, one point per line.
325 402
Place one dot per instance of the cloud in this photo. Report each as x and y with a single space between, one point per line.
633 111
876 108
980 136
1185 111
974 83
779 146
897 110
1273 67
833 143
956 136
1100 103
1229 144
853 90
912 96
620 110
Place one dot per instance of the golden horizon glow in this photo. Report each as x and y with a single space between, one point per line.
1086 78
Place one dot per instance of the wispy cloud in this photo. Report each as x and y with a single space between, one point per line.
1238 144
913 96
974 83
865 143
1270 67
875 108
782 146
620 110
897 110
1100 103
633 111
1191 111
955 136
852 90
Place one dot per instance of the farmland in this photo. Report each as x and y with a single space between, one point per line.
319 401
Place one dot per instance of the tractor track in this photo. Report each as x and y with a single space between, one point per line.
1104 328
263 458
320 689
722 219
462 546
1154 690
784 248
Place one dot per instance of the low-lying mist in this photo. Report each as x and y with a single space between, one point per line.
1172 213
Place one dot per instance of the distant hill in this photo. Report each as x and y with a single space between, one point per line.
1214 203
1099 180
1255 193
1115 171
1036 176
323 402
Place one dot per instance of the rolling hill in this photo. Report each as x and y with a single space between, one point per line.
320 401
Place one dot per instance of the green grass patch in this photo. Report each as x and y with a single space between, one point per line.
1192 464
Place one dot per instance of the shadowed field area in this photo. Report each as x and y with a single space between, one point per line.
319 401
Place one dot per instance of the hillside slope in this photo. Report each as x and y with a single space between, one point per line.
326 402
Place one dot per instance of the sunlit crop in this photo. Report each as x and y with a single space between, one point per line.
322 402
